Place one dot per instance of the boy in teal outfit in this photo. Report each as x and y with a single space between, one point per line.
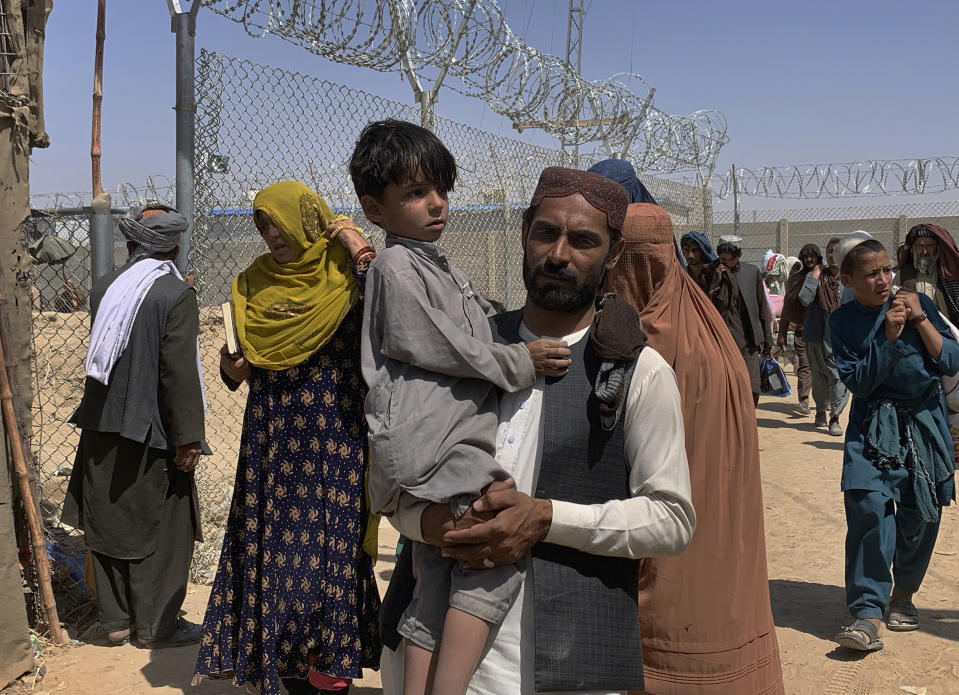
891 350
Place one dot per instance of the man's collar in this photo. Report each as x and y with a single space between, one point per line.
420 248
526 334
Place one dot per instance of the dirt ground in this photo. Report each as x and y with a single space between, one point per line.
804 532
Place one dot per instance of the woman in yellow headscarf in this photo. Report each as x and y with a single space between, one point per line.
294 600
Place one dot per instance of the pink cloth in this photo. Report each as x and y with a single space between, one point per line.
776 304
325 681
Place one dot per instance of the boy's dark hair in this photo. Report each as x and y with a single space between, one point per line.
393 151
730 248
855 254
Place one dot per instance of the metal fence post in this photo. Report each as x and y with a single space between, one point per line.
782 233
101 237
184 26
732 181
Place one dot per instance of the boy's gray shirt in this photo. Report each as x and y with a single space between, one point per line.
428 358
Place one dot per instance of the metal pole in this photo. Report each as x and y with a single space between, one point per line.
427 115
184 26
732 182
101 237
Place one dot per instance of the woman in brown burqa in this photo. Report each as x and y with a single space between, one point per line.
706 621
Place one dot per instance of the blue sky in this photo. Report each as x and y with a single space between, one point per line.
799 83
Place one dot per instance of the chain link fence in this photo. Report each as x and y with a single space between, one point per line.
257 125
787 231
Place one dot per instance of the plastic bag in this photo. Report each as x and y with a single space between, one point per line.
772 379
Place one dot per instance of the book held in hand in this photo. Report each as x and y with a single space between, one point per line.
229 329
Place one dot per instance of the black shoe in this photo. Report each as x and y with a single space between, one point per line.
185 634
299 686
821 420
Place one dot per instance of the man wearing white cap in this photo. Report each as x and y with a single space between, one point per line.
844 246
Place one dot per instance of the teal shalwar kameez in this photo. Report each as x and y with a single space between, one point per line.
898 464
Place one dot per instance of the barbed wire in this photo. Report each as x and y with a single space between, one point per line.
847 179
471 41
157 189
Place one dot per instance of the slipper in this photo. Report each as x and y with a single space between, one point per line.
851 637
118 641
902 616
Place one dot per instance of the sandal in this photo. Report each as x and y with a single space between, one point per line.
119 637
852 637
902 616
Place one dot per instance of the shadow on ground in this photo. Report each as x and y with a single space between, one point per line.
779 424
173 668
835 445
819 610
785 407
816 609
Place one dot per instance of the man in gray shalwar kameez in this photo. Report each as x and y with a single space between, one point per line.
132 490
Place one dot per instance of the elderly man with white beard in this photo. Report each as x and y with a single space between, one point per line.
929 263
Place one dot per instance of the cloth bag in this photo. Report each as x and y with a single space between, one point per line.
773 380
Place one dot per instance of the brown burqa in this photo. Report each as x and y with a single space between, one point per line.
706 621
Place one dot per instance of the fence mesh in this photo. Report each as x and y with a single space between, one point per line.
257 125
787 231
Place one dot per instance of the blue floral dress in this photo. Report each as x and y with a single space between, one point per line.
293 585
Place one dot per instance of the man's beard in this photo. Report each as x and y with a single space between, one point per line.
563 297
925 264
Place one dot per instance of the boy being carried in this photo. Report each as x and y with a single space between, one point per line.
433 372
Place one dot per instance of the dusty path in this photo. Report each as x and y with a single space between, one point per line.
805 528
804 531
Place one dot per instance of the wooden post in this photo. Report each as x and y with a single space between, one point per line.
21 130
22 471
899 232
98 97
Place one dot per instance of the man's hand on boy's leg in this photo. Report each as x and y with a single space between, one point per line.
437 519
519 523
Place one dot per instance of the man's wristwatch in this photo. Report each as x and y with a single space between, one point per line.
915 321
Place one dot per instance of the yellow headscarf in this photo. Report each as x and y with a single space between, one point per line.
286 312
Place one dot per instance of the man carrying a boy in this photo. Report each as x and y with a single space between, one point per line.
588 502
